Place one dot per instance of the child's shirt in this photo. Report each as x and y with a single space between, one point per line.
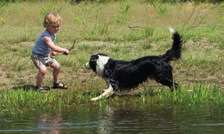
41 47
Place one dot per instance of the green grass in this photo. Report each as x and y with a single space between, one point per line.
20 100
123 30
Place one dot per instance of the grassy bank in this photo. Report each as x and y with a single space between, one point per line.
21 101
124 30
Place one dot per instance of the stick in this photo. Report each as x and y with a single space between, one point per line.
72 47
132 27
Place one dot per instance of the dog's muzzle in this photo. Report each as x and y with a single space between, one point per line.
87 66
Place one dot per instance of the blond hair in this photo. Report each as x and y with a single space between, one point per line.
52 19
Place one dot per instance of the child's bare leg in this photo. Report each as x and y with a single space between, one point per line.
41 74
56 71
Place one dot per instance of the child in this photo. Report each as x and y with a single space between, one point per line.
45 48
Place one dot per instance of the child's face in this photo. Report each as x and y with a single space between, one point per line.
53 29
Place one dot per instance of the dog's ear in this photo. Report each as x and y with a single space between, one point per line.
93 59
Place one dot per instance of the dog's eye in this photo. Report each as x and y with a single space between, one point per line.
93 60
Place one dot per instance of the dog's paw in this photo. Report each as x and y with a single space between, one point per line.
105 90
94 99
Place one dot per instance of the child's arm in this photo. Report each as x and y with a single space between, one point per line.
53 47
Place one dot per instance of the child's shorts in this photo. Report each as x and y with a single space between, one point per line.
39 60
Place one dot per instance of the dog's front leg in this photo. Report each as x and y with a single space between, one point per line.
108 92
108 85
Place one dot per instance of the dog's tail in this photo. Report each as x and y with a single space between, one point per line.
175 52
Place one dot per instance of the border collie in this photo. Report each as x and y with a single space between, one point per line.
126 75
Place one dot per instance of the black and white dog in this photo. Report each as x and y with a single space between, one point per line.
124 75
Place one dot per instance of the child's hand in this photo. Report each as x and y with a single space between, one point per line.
66 52
53 53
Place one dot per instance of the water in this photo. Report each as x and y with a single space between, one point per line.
119 120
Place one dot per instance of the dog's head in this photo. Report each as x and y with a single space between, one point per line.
97 63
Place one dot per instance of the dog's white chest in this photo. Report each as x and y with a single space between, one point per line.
101 62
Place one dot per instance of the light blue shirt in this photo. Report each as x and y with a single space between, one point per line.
40 46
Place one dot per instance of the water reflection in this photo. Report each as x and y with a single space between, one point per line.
105 123
135 120
180 119
50 124
123 119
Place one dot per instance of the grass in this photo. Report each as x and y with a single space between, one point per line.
20 100
124 30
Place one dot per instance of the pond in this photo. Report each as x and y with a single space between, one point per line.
125 119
